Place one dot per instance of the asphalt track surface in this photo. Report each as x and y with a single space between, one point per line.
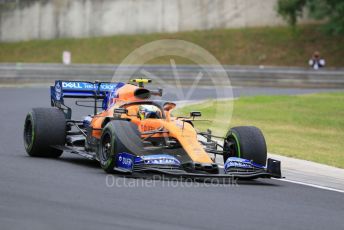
73 193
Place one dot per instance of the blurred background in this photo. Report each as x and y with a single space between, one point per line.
245 32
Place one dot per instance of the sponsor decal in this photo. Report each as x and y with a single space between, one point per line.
238 164
77 85
87 86
159 159
58 91
145 127
107 87
125 161
235 162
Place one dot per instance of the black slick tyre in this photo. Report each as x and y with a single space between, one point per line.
44 130
118 136
245 142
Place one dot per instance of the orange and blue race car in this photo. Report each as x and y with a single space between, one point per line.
136 135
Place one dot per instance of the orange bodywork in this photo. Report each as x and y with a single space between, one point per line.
182 131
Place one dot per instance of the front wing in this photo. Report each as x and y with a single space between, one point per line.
167 167
132 166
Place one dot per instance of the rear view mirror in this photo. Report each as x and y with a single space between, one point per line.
121 111
195 114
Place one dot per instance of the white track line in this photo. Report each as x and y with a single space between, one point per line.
302 183
306 184
312 185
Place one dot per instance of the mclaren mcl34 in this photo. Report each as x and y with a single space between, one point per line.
133 134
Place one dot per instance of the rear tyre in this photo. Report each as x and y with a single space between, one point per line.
44 128
118 136
245 142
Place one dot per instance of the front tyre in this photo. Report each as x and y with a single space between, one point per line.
44 129
245 142
118 136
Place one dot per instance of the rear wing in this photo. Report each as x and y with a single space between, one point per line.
81 89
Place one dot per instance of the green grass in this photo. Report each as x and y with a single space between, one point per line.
309 127
249 46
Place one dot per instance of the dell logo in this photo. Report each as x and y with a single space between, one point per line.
73 85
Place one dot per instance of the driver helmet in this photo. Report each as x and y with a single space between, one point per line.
148 111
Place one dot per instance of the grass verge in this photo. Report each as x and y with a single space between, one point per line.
246 46
309 127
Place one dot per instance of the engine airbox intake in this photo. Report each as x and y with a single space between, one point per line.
142 93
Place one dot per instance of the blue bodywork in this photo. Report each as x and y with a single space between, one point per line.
84 89
125 161
157 159
240 163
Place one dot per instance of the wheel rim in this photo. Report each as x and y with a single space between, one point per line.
231 147
106 147
28 133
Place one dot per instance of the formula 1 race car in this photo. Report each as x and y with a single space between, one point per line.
136 135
